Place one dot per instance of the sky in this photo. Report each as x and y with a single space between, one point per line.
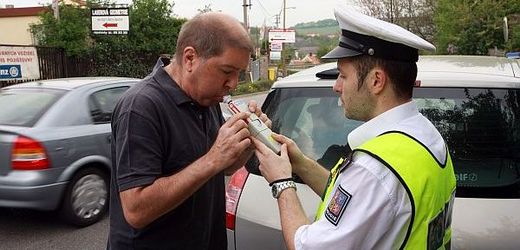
260 12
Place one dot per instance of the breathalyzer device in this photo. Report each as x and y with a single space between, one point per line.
256 127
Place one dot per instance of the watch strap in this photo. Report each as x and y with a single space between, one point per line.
281 186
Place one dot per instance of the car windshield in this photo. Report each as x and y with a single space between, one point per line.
23 107
480 126
482 130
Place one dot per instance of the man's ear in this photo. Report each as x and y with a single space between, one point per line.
189 57
377 80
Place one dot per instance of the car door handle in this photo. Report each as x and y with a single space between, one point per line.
109 139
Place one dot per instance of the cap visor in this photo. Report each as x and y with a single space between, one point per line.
340 52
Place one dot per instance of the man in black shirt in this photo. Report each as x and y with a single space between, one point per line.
171 146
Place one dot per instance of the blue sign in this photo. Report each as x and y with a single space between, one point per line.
10 71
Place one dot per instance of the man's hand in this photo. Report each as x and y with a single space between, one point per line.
253 108
232 140
246 154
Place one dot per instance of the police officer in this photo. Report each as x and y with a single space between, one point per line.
396 188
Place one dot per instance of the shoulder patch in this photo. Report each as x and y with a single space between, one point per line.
337 205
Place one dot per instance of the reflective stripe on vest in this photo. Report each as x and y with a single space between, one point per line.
430 186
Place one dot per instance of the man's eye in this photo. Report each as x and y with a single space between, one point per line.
227 72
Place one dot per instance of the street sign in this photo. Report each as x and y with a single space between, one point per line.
275 55
110 21
282 36
276 46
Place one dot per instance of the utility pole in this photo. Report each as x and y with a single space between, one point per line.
245 5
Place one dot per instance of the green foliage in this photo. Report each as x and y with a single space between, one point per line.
71 32
252 87
514 39
153 32
320 23
152 27
474 27
324 49
322 27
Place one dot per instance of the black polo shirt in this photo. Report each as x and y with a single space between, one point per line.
158 130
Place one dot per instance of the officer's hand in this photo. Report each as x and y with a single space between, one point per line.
253 108
272 166
232 140
298 159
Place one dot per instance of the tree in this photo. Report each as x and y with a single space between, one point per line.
71 32
206 9
474 27
414 15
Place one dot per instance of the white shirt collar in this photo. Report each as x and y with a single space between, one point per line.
382 123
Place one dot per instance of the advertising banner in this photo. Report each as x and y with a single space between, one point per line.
17 62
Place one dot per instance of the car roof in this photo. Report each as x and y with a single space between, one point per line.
434 71
70 83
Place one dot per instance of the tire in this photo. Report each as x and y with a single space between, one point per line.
86 198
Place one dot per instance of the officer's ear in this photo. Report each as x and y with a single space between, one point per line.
377 80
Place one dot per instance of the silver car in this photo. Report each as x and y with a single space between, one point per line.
55 145
474 101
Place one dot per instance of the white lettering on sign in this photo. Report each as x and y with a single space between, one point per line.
110 21
119 12
100 12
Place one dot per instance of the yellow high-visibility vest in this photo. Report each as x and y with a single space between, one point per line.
430 185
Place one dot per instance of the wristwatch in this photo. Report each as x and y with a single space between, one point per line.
277 188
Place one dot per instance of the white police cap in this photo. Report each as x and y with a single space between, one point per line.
362 34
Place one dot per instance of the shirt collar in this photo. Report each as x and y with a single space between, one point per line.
382 123
168 84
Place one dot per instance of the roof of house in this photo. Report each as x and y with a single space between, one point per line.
17 12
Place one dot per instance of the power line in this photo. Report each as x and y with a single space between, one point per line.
264 9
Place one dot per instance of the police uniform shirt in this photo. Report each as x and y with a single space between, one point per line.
377 209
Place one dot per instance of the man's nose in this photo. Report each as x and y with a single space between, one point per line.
232 83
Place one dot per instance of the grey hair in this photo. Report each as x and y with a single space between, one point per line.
210 33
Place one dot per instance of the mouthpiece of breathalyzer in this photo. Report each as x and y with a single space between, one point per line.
256 127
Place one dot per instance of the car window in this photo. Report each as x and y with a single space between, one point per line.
313 118
24 107
480 126
102 103
482 130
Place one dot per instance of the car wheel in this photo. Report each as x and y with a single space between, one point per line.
86 198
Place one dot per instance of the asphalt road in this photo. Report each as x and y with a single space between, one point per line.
23 229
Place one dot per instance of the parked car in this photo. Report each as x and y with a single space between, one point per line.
474 101
55 145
